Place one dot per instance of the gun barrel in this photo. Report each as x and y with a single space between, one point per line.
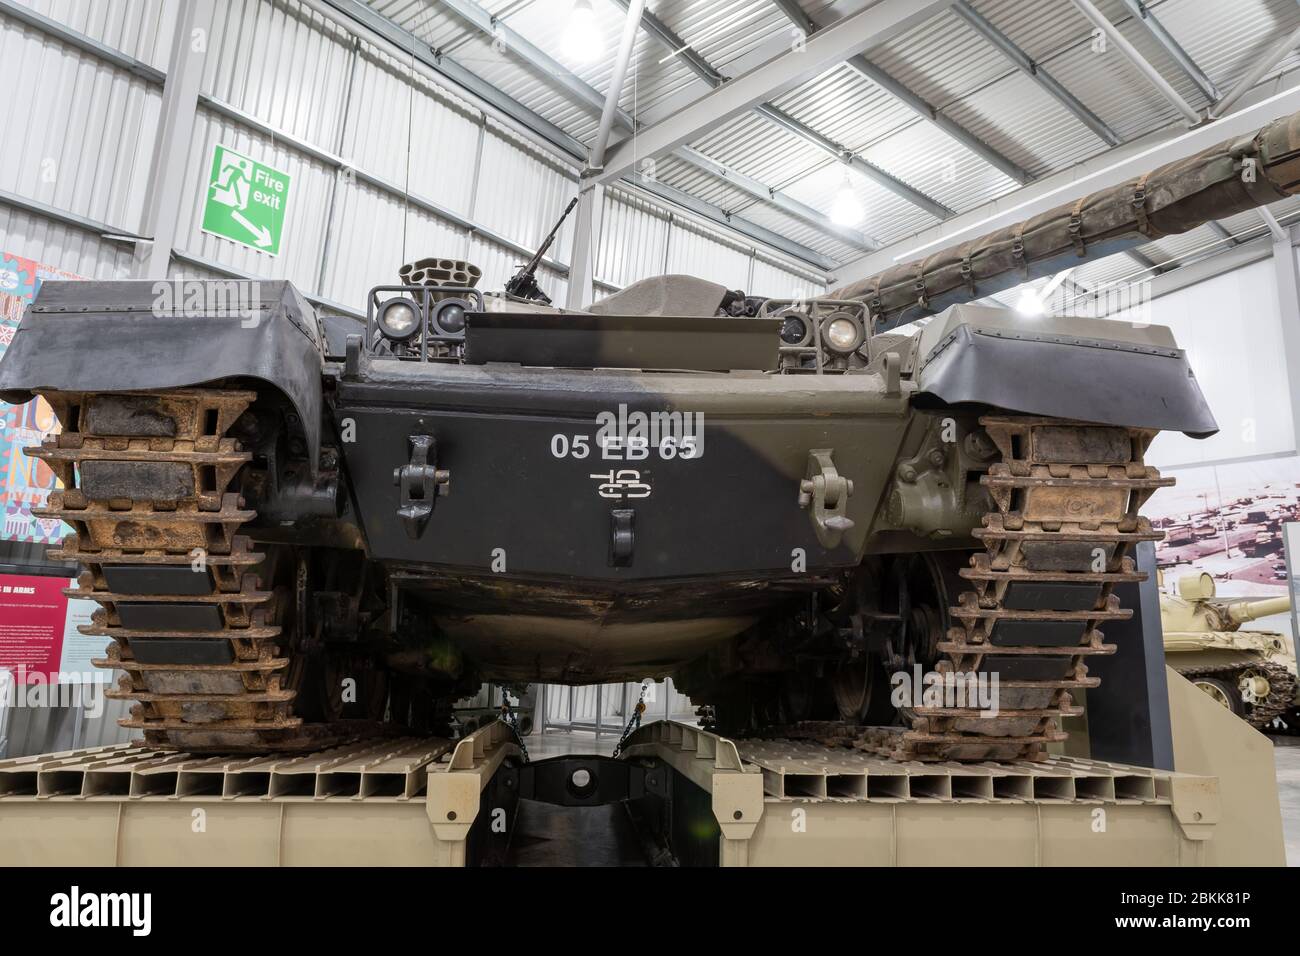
536 260
1253 610
550 236
1238 174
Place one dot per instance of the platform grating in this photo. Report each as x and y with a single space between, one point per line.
391 769
807 770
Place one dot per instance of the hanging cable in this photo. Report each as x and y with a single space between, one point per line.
511 720
634 721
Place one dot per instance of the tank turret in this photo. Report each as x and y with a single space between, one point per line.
1251 672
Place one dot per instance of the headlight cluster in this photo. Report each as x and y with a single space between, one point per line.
399 319
820 334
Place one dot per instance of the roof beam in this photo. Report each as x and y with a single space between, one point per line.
559 76
864 67
823 50
1145 261
1035 72
1089 10
701 68
363 16
1221 231
793 207
683 51
1262 66
851 159
552 70
1147 20
743 226
378 24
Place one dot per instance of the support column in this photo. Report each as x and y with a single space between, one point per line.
1288 301
190 42
586 240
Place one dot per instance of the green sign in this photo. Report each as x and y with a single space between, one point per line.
245 201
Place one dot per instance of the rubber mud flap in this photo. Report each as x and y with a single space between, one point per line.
99 336
1066 371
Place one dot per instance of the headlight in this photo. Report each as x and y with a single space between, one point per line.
841 334
449 317
794 330
398 319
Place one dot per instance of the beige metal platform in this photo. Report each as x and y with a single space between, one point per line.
414 802
797 803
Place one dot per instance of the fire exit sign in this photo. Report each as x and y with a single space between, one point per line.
245 201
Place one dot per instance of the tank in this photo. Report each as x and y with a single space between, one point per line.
1250 672
813 515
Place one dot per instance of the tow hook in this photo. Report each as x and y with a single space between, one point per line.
421 482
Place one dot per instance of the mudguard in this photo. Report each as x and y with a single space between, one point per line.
1093 370
120 336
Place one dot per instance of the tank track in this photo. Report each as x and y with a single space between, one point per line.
195 621
1261 714
1067 496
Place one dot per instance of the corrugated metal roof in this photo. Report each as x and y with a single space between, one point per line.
943 61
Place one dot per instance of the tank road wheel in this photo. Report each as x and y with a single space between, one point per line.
201 625
852 685
861 690
1222 693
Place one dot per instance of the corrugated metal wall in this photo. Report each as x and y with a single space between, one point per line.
606 708
640 238
355 127
48 729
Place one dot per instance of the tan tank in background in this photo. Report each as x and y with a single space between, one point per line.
1252 673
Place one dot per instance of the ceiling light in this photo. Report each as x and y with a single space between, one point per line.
846 210
582 39
1030 304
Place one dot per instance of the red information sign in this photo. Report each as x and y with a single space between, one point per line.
32 614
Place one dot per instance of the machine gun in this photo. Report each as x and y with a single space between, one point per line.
524 282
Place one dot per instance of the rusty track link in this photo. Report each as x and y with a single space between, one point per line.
196 626
1067 496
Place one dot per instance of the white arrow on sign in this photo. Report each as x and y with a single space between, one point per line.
261 235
